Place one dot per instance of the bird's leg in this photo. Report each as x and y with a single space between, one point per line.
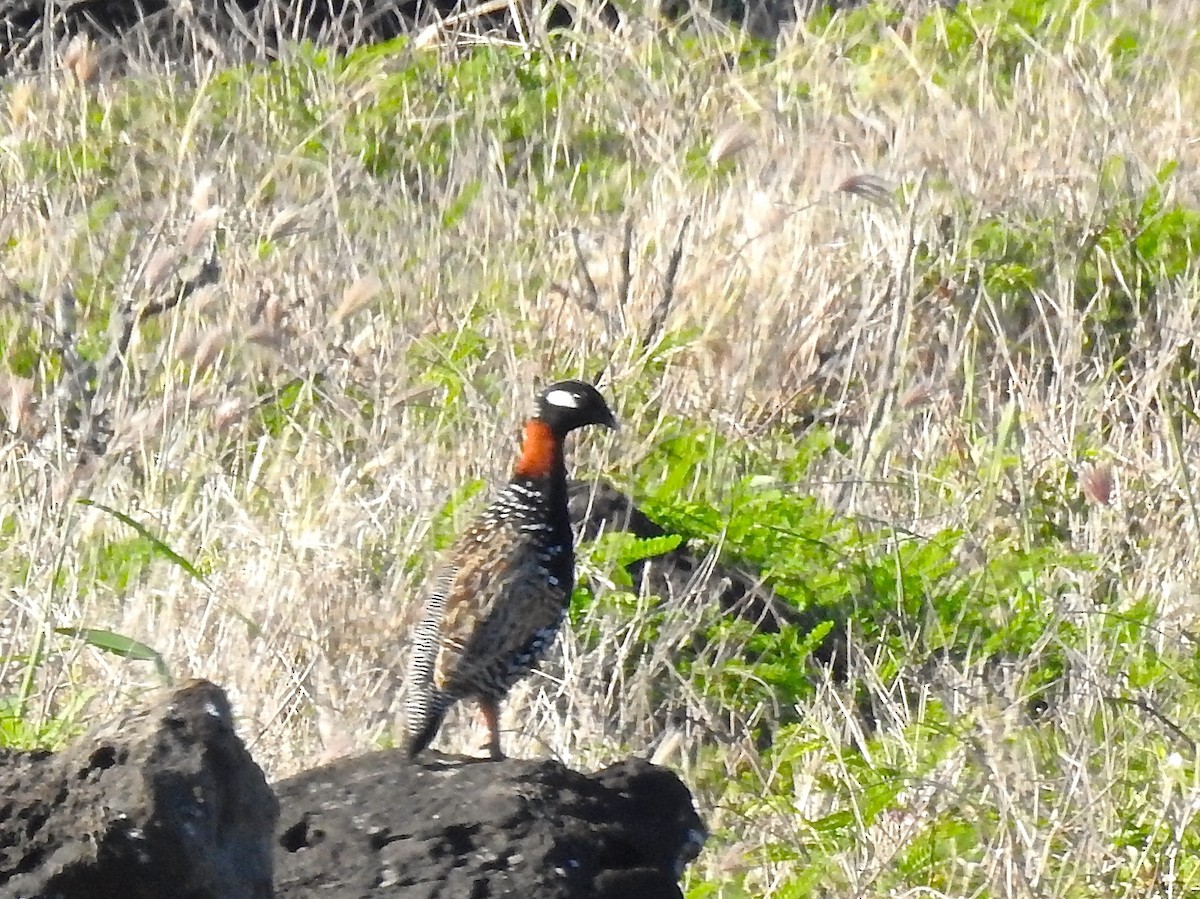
489 710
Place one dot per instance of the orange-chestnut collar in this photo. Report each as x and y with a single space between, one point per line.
541 451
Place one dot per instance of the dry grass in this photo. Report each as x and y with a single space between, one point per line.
407 343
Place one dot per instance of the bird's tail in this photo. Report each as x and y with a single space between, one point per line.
424 715
427 705
422 729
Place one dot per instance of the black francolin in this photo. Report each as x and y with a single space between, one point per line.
496 604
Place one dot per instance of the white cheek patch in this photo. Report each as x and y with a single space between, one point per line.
562 398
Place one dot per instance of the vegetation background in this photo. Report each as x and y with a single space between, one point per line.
927 366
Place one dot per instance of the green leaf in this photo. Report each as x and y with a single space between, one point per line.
635 549
119 645
833 822
156 544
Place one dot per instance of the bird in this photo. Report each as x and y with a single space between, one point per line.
502 588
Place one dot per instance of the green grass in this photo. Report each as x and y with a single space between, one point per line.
926 371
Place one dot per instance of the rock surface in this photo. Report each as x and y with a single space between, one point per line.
600 507
165 801
378 826
233 30
238 30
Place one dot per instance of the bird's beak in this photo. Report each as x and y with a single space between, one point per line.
610 422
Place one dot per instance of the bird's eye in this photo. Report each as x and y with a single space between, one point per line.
562 398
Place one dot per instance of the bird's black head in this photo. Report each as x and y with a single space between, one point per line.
568 405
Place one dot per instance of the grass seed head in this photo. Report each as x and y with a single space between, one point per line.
357 297
1098 483
81 59
731 142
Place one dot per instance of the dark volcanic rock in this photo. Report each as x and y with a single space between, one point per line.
600 507
165 801
238 29
379 826
248 29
